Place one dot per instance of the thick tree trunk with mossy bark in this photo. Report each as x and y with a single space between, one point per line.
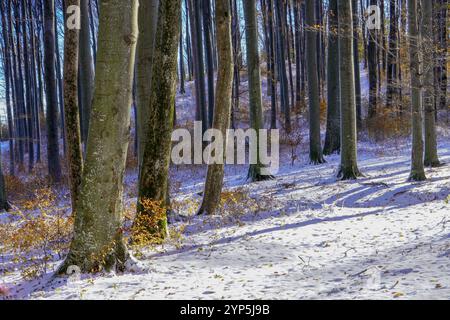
71 108
148 19
349 168
431 155
54 166
333 134
416 69
98 241
315 148
150 224
254 83
221 121
86 69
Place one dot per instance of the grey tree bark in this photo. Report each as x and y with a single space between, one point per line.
333 133
98 240
254 82
431 155
154 178
71 108
54 166
416 69
148 19
349 167
315 148
86 71
221 121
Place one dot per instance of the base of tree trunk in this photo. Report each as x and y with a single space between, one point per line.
5 206
349 173
330 150
89 263
317 159
432 163
417 176
254 174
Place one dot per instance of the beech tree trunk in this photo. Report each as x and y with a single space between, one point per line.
54 166
154 178
214 177
333 134
254 83
431 155
71 108
98 240
148 19
315 148
349 167
416 69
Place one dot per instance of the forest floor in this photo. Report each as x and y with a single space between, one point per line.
303 235
306 236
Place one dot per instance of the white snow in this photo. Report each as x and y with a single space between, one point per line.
380 237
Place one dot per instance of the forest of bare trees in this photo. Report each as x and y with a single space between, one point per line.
91 90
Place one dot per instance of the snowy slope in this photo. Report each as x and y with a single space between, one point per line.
380 237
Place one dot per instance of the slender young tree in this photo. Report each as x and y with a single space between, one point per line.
431 155
392 96
214 177
71 108
416 65
98 242
356 62
86 70
349 167
8 86
254 83
208 35
373 70
333 134
315 148
54 166
154 178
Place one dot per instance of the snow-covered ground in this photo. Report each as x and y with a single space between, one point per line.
313 237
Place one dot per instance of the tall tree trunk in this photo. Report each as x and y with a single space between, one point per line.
333 134
181 59
154 178
271 74
86 72
54 166
443 52
356 62
315 149
298 40
148 19
416 68
8 86
392 98
207 30
28 87
98 241
373 70
254 83
349 167
71 108
284 85
214 177
431 155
